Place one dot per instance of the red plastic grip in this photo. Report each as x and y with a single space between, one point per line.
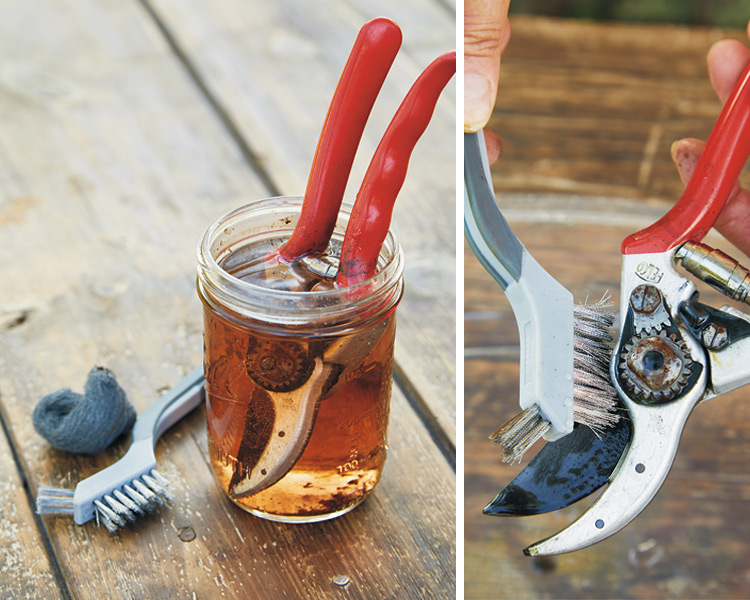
369 61
371 215
718 168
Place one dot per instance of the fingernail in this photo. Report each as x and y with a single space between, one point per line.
478 102
680 151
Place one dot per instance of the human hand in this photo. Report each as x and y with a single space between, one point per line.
726 61
486 33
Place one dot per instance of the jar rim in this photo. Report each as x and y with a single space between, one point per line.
258 302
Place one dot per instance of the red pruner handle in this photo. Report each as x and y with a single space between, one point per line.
373 207
718 169
369 61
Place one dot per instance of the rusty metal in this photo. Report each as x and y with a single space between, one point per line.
715 336
278 366
656 367
645 299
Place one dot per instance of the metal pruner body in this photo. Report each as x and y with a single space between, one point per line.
673 352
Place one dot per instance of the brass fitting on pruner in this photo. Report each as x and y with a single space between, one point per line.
717 269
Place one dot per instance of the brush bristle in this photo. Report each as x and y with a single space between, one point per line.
520 433
115 508
54 501
143 495
595 399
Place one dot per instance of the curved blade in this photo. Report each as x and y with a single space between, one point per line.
279 424
277 429
641 472
563 472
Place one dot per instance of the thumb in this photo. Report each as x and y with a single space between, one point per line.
486 32
734 220
726 60
685 154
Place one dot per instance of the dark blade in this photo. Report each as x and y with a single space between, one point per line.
563 472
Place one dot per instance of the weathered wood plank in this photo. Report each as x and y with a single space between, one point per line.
264 61
391 546
589 108
689 542
111 165
25 569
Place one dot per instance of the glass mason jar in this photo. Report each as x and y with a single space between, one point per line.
298 383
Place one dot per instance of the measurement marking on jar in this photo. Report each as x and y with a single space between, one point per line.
347 466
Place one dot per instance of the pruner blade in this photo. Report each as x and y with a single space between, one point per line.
563 472
651 295
645 464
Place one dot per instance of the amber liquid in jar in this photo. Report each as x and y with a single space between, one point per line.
320 402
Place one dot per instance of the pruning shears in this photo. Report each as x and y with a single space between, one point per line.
673 353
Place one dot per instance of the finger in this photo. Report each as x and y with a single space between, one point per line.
734 220
726 60
685 155
494 145
486 32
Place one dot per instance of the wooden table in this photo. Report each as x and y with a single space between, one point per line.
126 127
588 113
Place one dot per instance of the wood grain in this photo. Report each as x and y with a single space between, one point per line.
201 544
593 109
113 161
25 569
689 542
261 60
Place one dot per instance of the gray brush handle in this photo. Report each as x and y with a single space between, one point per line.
170 408
487 231
542 306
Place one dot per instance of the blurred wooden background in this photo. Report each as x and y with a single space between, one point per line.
587 113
